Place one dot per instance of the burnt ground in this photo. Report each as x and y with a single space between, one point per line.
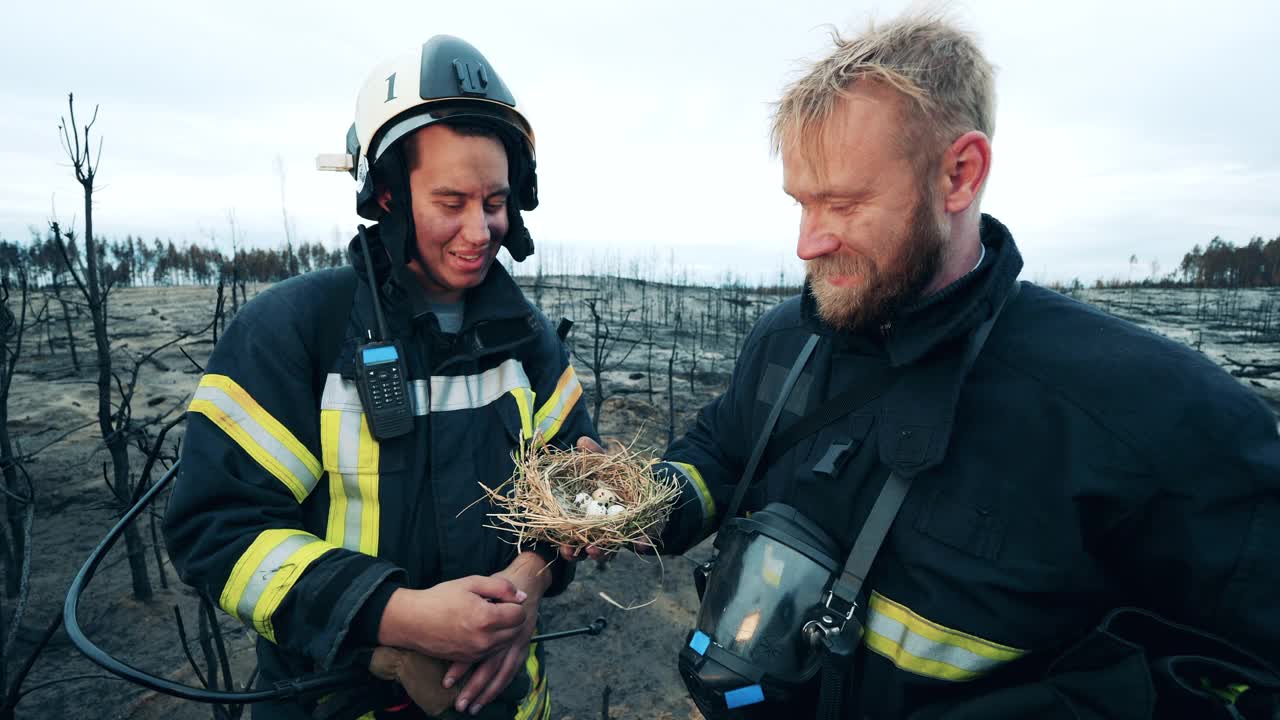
633 659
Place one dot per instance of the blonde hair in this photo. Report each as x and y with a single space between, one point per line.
935 67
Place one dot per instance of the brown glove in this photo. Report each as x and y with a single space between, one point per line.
419 675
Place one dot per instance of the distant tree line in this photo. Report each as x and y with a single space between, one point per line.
1223 265
133 261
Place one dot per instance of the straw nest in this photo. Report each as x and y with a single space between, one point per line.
538 502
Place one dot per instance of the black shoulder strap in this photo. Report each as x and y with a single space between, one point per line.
885 509
767 431
868 389
332 334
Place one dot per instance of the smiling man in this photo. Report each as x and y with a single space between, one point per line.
458 177
330 491
969 475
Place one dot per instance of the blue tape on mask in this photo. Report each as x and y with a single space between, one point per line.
749 695
699 642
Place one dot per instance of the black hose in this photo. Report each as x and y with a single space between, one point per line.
316 683
284 689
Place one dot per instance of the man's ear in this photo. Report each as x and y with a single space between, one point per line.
965 166
384 199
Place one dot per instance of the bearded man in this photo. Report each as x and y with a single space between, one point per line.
1007 466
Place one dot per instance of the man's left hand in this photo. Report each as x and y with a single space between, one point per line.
490 676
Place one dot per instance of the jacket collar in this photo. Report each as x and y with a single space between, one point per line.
496 298
949 313
496 316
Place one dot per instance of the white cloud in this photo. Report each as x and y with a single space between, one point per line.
1123 128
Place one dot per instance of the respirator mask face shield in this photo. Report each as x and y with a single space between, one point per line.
749 652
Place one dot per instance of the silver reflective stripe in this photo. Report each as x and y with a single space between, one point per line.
264 439
467 392
418 397
266 570
918 647
340 394
553 416
349 457
448 392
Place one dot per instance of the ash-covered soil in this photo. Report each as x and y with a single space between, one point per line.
634 660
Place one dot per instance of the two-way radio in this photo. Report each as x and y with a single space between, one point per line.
381 376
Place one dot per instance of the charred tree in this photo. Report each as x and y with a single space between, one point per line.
17 503
671 383
111 424
604 348
66 320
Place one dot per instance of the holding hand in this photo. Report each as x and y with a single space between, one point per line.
492 675
461 620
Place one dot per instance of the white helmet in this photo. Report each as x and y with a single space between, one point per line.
445 80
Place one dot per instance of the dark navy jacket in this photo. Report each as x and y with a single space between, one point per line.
1084 464
291 516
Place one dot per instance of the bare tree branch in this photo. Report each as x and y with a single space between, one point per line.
193 362
66 257
24 583
186 646
60 438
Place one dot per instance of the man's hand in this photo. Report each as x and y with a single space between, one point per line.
492 675
461 620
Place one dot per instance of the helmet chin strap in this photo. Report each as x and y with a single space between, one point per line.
398 232
523 176
396 227
518 242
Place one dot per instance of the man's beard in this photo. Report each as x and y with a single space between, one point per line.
879 293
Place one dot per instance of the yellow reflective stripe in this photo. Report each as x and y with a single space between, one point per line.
1228 695
268 442
351 458
553 412
330 430
694 478
531 664
265 573
923 647
282 582
524 401
534 705
329 425
369 452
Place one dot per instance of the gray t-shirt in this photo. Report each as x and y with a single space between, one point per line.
449 315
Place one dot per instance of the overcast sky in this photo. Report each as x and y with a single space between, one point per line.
1123 128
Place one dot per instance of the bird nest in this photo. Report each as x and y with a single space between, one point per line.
543 499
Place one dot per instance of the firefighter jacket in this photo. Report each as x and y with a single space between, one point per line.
295 520
1084 464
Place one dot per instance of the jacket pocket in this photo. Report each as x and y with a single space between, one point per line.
956 520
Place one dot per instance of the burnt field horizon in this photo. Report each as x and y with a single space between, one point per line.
649 355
